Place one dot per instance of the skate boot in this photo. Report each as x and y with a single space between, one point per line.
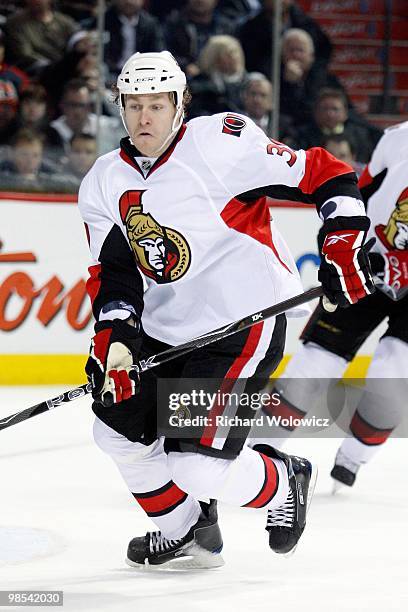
286 523
199 548
344 471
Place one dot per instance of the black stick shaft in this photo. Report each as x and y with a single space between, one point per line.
49 404
168 355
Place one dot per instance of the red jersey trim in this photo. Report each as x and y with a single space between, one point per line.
160 160
253 220
365 178
228 383
320 167
93 284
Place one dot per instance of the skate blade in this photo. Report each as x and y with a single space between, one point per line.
310 493
195 558
337 486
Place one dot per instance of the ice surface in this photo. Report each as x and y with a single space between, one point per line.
53 480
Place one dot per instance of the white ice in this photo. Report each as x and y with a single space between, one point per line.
63 501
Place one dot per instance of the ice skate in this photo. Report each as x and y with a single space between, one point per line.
199 548
344 471
286 523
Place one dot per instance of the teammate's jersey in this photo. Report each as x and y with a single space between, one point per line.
196 227
391 149
388 211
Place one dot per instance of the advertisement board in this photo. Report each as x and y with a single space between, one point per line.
45 315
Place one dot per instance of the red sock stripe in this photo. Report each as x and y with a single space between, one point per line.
161 501
366 433
284 409
269 487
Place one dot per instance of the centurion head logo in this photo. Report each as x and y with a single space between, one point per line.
161 252
394 235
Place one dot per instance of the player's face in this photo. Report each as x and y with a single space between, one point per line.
149 121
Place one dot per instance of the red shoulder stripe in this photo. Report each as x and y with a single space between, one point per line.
320 167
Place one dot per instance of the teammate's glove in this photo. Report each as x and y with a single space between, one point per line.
391 272
114 348
344 269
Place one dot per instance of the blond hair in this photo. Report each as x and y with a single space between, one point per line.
216 45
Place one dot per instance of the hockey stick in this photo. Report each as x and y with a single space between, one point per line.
169 354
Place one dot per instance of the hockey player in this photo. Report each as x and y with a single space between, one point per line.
181 211
331 340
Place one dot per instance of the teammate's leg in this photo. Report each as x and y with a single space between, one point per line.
379 411
331 341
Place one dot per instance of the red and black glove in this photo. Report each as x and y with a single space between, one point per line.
391 272
114 348
344 270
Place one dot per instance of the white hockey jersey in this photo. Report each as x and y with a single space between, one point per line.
196 227
390 150
388 210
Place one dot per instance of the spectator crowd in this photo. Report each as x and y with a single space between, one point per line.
50 79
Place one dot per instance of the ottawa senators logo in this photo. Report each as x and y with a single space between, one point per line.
233 125
161 252
394 235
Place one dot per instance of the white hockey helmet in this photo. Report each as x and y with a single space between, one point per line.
151 73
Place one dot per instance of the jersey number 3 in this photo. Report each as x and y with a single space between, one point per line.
277 148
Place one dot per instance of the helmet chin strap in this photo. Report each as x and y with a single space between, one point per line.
175 126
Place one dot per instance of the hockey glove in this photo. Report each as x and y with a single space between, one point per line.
391 272
344 269
114 348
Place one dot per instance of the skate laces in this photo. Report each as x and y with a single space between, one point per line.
284 515
158 543
344 461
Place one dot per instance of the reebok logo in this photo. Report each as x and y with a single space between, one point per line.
335 239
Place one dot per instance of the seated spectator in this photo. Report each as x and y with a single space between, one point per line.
11 75
331 116
222 72
256 35
130 29
77 118
33 111
8 112
81 157
37 35
301 77
189 29
257 104
83 44
343 146
26 162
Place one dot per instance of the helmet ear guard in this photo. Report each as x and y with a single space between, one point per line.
153 73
